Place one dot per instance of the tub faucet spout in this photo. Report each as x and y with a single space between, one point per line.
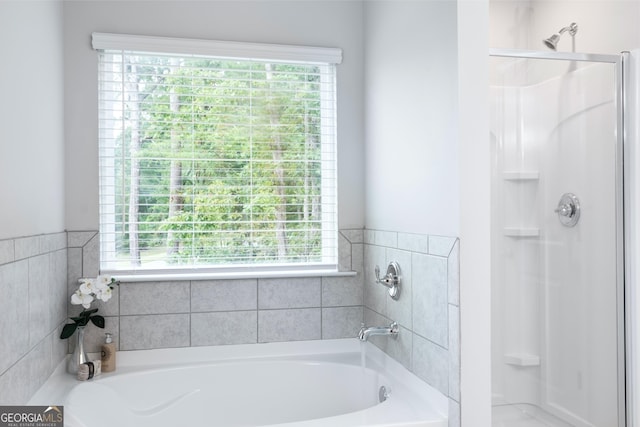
367 332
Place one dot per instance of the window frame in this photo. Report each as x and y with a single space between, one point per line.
235 51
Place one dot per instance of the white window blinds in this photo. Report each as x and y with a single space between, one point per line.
215 161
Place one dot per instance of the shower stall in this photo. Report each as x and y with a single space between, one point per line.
557 272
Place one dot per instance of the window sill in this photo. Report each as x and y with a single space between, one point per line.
169 276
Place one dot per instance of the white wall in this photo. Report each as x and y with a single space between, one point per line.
410 107
633 232
315 23
31 111
33 254
474 159
510 24
604 26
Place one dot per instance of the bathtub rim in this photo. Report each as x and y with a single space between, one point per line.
60 383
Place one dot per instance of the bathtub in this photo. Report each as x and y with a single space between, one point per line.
302 384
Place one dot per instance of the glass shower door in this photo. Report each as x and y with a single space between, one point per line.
557 271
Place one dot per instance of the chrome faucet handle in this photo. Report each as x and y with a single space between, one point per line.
377 271
394 328
565 210
568 210
391 280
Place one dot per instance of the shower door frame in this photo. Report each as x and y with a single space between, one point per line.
625 405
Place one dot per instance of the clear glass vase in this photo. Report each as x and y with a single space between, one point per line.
78 356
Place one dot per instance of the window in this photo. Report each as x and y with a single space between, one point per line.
219 158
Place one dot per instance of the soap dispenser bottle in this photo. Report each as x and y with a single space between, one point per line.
108 358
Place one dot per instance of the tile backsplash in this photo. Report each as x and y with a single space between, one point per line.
218 312
427 310
160 314
33 308
38 274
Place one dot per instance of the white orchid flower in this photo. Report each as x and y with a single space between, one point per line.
90 289
87 286
80 298
103 282
105 294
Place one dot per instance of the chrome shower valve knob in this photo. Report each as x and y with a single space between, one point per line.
568 210
391 280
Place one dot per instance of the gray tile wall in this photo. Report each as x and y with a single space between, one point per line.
33 308
217 312
428 308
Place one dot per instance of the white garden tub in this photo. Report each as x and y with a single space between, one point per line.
310 384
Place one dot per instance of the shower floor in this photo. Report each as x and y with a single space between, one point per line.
523 415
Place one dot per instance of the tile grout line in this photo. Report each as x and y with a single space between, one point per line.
257 310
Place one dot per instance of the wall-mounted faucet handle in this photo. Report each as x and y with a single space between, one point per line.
387 280
565 210
568 210
391 280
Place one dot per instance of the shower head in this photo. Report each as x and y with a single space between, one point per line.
552 42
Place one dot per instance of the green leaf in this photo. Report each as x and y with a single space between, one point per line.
98 321
68 330
87 313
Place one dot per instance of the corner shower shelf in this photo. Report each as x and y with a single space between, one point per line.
521 232
520 175
522 359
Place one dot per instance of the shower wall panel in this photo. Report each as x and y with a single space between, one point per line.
579 335
554 287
